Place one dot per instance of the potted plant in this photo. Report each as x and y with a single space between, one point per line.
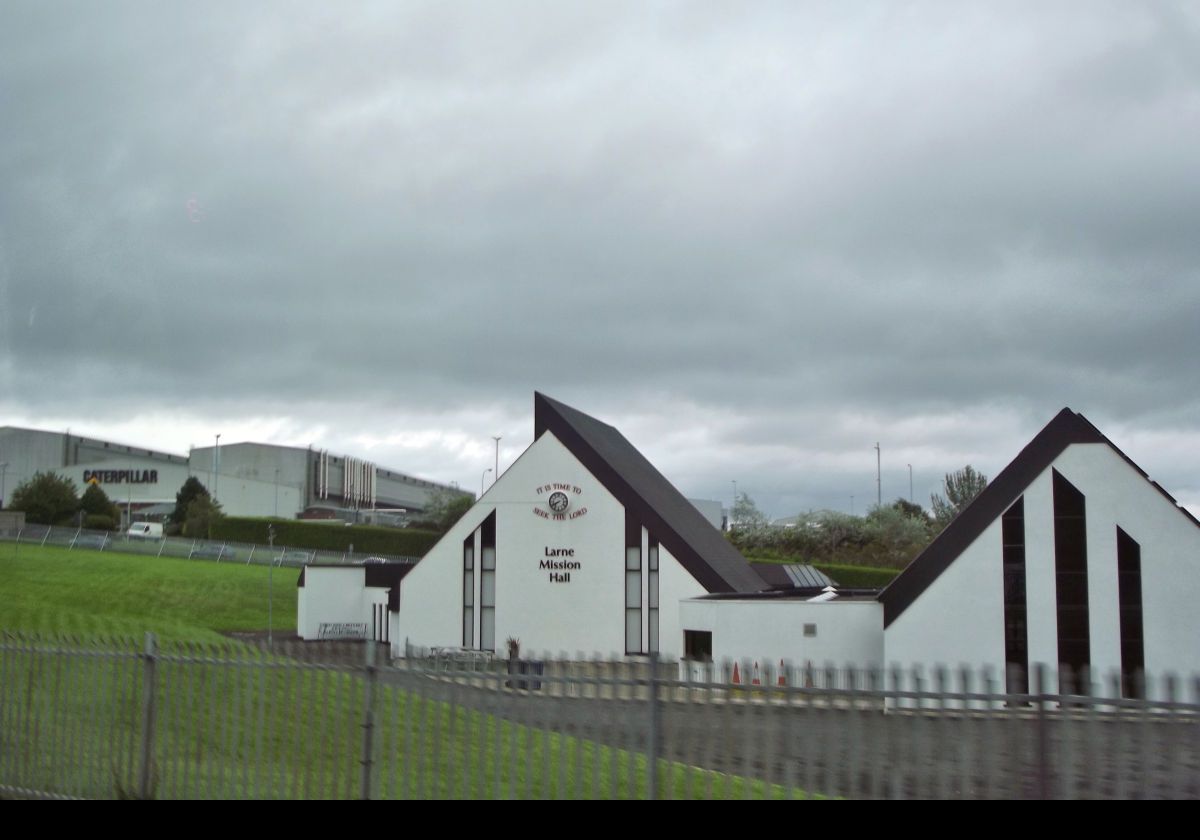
514 660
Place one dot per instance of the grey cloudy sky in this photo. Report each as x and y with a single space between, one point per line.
757 238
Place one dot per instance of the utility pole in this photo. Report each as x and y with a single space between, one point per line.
270 582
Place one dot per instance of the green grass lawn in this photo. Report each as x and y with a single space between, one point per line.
257 726
88 593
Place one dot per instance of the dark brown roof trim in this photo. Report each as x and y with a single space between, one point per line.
1065 429
654 501
802 595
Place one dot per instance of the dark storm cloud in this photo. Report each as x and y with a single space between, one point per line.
762 219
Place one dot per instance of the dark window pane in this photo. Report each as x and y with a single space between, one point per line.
1070 564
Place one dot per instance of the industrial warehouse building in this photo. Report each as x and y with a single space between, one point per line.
249 479
1070 555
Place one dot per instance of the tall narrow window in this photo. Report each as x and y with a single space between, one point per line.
1129 595
487 584
1016 635
469 591
633 585
1070 566
652 602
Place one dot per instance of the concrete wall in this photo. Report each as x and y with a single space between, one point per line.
27 452
246 482
296 468
773 631
336 603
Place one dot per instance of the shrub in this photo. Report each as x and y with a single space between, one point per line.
46 499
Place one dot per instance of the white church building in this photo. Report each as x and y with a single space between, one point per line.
1071 555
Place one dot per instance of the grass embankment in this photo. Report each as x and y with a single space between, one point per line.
261 726
89 593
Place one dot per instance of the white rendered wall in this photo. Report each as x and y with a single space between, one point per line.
960 617
335 596
582 615
766 633
676 586
1170 553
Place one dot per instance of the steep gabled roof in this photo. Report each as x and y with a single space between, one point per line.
1065 429
672 519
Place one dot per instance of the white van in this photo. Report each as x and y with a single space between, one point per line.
145 531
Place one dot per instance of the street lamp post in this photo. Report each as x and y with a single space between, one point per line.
277 492
910 489
3 470
878 477
270 582
216 467
481 479
496 474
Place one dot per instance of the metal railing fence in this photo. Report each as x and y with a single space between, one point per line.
183 547
108 718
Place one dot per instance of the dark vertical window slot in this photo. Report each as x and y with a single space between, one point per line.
1129 596
1016 632
487 583
469 591
633 585
1070 567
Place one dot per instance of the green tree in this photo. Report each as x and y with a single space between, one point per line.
960 490
445 508
100 510
202 514
912 511
191 490
47 499
745 514
895 535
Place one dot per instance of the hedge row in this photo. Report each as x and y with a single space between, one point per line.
859 577
295 533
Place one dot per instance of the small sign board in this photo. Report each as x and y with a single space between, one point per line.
341 630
